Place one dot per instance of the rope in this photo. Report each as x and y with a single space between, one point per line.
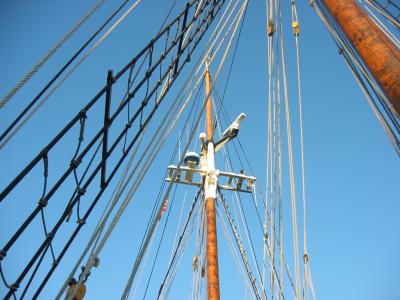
91 178
60 72
240 246
49 54
296 31
383 27
53 90
103 219
364 78
173 259
384 11
291 165
137 263
245 280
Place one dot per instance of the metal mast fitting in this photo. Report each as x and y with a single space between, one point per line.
376 50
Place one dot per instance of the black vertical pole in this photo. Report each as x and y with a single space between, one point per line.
181 39
106 126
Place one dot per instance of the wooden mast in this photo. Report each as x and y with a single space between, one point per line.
376 50
210 190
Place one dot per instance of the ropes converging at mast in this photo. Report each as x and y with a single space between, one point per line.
381 93
209 189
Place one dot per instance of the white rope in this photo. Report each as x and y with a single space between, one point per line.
137 288
196 279
49 54
291 164
179 224
55 88
383 27
184 245
392 20
228 166
305 248
232 248
130 193
365 73
137 263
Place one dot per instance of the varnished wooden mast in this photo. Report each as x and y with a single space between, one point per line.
210 195
376 50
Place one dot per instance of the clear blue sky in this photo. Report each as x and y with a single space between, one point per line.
351 168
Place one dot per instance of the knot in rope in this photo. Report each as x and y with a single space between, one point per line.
2 254
81 191
43 202
75 163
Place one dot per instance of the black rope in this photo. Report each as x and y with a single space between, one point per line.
35 271
78 159
88 106
60 72
97 198
3 277
43 204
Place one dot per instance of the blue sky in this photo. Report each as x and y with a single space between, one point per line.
351 167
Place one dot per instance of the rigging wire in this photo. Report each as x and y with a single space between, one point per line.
186 147
385 12
387 118
172 158
226 117
229 167
291 162
228 163
69 73
146 164
50 53
378 22
296 32
245 280
159 244
240 246
104 216
181 239
59 73
97 197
